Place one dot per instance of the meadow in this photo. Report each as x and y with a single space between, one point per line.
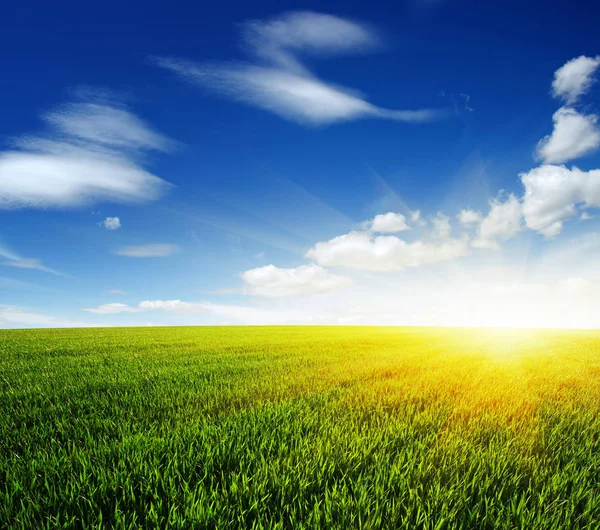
299 428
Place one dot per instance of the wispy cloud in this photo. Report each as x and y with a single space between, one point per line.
14 317
115 291
8 258
14 284
238 314
277 80
275 282
175 306
153 250
467 99
90 153
112 308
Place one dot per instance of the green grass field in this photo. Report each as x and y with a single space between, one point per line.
299 427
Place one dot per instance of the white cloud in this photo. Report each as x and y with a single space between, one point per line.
278 82
12 317
111 223
90 154
554 193
109 309
362 250
387 223
585 216
416 218
279 38
502 222
469 217
296 96
111 126
574 78
574 135
176 306
441 226
453 296
235 314
154 250
274 282
8 258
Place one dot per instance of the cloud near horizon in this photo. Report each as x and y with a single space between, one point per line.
278 82
16 317
232 313
274 282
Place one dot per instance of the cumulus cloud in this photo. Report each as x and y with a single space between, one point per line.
554 194
91 153
278 82
387 223
111 223
469 217
8 258
362 250
153 250
501 223
574 135
274 282
574 78
441 226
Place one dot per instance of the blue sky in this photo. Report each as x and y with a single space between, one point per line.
419 162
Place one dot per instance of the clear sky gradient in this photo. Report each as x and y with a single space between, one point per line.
427 162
